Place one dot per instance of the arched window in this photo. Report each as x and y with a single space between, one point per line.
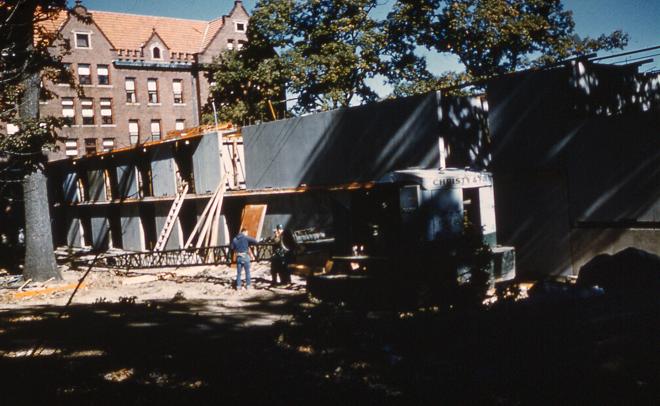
155 53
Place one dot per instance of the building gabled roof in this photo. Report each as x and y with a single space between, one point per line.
212 29
132 31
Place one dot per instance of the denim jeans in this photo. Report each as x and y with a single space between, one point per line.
242 261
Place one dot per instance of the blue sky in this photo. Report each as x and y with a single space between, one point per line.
639 18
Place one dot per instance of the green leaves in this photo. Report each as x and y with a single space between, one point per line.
26 56
325 52
490 37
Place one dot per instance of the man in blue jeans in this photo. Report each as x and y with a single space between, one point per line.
240 244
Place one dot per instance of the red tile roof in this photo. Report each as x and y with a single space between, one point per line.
131 31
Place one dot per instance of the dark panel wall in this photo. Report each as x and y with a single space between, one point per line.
70 187
574 149
206 164
163 171
96 185
126 181
346 145
100 226
131 233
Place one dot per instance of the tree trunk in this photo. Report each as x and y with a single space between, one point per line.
40 262
39 256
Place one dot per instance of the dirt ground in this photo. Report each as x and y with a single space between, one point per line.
186 337
213 285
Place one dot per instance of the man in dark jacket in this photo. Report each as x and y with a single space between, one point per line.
280 258
240 244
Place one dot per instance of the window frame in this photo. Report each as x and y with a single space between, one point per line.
137 133
87 146
133 92
183 124
82 33
106 76
68 119
108 144
175 93
243 23
87 81
60 76
160 52
68 150
102 104
156 136
152 94
87 120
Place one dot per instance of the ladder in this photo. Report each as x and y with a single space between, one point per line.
171 217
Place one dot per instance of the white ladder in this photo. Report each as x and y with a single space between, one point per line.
171 218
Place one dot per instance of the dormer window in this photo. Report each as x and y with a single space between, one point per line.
240 26
155 53
83 40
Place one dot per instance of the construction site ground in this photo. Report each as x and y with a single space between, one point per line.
184 336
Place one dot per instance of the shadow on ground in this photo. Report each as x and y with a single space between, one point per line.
579 351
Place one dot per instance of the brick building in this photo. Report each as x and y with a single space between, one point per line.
142 76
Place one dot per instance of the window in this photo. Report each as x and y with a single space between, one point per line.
90 145
84 74
133 132
177 90
87 111
131 97
155 130
240 26
152 89
83 40
230 44
155 53
62 77
68 112
240 45
106 111
103 74
180 124
71 147
108 144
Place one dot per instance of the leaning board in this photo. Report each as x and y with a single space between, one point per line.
252 219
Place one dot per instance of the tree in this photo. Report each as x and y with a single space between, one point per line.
245 81
326 51
490 37
25 59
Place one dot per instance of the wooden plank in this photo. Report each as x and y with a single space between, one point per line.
202 218
252 219
28 293
205 235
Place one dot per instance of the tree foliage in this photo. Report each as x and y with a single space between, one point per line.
244 81
326 51
489 37
25 54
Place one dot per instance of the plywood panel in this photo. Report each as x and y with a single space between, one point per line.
126 181
163 171
252 219
206 164
131 229
70 187
96 185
